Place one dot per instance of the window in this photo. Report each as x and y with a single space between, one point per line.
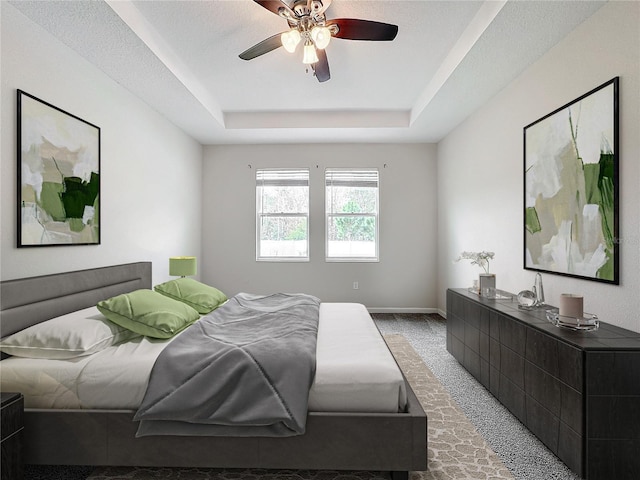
282 214
351 197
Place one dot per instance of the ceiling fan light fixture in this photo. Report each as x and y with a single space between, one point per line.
309 55
308 25
290 40
321 36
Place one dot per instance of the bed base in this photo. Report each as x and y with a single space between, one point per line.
395 442
333 441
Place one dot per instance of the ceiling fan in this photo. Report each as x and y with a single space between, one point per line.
308 26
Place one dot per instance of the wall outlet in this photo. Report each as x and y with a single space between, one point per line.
355 285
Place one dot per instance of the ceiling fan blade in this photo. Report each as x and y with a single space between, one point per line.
263 47
355 29
321 67
274 6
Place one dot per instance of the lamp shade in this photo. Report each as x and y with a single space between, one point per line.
182 266
309 54
321 36
290 40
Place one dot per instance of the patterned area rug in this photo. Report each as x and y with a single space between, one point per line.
455 449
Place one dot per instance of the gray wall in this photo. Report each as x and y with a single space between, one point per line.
405 277
480 166
150 169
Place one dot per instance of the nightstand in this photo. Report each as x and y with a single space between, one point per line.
11 426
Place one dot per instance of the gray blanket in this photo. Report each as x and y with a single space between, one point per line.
243 370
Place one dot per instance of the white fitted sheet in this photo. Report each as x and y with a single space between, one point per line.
355 372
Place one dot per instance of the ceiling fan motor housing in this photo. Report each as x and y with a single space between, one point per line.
307 14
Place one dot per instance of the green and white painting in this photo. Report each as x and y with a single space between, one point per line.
571 188
58 176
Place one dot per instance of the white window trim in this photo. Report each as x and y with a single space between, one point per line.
260 215
329 259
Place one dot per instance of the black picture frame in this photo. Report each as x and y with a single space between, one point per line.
571 188
58 180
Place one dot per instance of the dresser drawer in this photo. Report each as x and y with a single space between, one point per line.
11 431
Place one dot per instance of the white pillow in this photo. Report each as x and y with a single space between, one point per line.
75 334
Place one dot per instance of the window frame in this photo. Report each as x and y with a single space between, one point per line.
376 216
260 215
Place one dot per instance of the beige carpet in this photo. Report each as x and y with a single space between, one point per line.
455 449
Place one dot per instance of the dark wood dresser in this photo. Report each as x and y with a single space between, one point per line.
11 430
578 392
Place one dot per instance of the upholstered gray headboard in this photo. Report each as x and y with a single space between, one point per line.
27 301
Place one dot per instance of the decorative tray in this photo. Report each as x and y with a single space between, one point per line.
587 322
494 295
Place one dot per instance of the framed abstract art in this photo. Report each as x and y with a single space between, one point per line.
58 176
571 188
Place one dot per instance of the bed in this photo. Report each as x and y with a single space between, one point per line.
335 439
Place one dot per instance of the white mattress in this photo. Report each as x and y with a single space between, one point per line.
355 372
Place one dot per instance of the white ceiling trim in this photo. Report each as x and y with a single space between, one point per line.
139 25
318 119
485 16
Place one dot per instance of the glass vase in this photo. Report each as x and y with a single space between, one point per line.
487 284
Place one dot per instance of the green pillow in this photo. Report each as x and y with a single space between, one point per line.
148 313
195 294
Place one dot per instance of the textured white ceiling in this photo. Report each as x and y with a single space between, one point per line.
181 57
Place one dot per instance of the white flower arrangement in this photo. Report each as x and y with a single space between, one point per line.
477 258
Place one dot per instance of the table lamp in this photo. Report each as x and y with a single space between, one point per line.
182 266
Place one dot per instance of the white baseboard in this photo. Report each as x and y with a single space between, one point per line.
401 310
